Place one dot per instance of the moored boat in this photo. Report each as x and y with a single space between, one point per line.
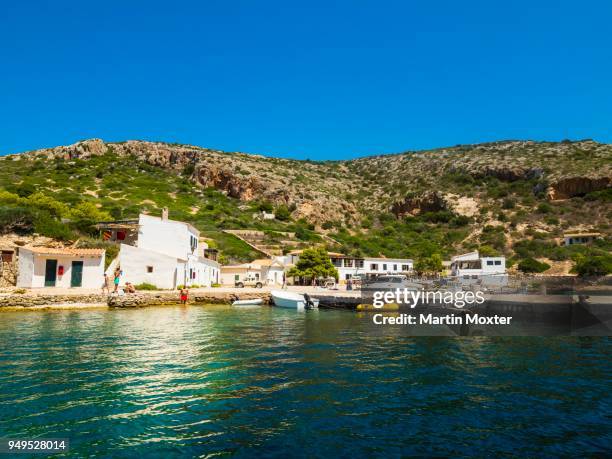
293 300
251 302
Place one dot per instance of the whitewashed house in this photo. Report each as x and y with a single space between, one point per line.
162 252
580 238
60 267
268 271
349 267
472 267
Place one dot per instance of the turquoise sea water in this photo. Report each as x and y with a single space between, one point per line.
208 381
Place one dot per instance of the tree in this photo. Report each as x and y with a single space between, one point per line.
593 265
266 206
282 213
312 264
531 265
46 202
85 215
432 264
487 251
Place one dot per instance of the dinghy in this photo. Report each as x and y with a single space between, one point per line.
251 302
293 300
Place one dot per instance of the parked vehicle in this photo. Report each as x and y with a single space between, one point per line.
249 281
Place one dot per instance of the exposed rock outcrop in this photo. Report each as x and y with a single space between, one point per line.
224 179
431 201
569 187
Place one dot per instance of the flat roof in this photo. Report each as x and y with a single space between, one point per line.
581 234
383 259
332 254
188 225
65 251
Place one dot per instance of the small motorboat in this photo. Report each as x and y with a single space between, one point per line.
251 302
293 300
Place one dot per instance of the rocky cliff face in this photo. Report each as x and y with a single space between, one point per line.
570 187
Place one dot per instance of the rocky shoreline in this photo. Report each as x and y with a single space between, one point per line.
170 298
141 299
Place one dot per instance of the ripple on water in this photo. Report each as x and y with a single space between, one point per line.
200 382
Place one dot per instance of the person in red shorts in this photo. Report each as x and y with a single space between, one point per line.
184 295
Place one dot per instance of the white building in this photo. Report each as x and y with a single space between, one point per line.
60 267
580 238
349 267
162 252
471 266
266 270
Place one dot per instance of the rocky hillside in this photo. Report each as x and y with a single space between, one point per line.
499 195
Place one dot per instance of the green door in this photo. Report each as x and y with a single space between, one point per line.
50 273
76 276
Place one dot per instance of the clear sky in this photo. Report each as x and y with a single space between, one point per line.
310 79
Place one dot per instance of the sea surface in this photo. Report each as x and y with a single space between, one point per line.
215 381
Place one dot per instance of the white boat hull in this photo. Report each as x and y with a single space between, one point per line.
291 300
253 302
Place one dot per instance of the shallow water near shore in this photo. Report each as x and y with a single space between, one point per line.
203 381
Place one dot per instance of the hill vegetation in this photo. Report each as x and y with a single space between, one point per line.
512 198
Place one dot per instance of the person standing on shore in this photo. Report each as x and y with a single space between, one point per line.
106 284
284 281
117 279
184 295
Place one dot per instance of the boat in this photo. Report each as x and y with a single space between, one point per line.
251 302
293 300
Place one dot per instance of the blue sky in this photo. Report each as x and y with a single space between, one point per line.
318 80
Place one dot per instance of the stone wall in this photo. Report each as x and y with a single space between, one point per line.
8 274
135 300
150 299
25 300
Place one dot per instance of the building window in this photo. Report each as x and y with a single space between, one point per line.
337 262
374 266
149 269
359 263
348 262
497 262
405 267
384 266
348 276
7 256
489 262
394 267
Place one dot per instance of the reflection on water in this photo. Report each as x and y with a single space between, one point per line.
204 381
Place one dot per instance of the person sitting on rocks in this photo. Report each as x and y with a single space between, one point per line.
129 288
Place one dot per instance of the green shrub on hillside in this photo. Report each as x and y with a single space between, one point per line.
282 213
85 215
488 251
531 265
593 264
16 220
